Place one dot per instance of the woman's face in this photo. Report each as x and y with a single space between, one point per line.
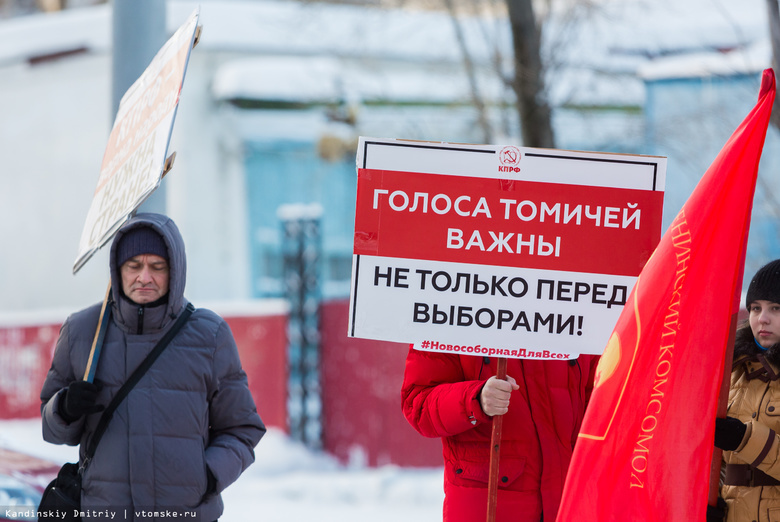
765 322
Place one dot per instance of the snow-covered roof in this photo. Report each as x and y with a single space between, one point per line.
324 79
604 52
280 50
752 59
26 38
268 27
299 211
659 28
595 53
311 28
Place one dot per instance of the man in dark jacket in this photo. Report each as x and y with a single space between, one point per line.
188 429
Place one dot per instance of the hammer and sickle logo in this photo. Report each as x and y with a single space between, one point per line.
509 156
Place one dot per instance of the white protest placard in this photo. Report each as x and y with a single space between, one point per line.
136 153
499 250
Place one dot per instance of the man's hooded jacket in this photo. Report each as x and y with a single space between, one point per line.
191 413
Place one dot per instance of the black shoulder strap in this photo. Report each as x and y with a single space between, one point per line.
133 380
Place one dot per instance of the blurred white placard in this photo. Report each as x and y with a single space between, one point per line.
135 156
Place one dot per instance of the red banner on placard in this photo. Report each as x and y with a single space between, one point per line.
505 222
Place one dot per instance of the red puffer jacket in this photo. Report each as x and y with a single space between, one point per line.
440 399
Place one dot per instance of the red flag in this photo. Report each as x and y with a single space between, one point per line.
645 447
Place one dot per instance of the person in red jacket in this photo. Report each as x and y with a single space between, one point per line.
455 397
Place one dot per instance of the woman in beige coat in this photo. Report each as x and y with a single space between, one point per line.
750 477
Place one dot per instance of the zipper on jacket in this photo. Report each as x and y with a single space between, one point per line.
140 328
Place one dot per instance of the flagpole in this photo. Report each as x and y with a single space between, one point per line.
495 450
723 399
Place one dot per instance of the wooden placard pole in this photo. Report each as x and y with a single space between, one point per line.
97 340
495 451
168 164
196 40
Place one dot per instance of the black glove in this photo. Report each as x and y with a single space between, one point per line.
717 514
729 433
78 400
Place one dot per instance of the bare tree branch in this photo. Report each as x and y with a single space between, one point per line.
533 108
468 65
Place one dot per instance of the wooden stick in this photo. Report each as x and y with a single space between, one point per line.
723 399
495 451
97 340
198 31
168 164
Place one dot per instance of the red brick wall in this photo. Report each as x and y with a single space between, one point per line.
25 357
262 345
361 383
26 351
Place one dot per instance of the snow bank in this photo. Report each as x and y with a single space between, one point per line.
289 482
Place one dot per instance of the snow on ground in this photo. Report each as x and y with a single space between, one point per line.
289 482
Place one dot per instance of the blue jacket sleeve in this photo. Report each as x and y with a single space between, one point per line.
60 375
